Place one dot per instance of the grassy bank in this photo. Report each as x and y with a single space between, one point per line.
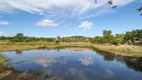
3 59
33 45
15 47
125 50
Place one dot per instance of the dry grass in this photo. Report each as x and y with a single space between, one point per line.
125 50
15 47
26 46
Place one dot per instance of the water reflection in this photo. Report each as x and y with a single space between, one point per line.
107 56
20 62
78 65
61 60
18 52
45 62
131 62
86 61
40 51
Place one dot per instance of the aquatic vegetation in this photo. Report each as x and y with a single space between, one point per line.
10 73
38 72
3 59
55 78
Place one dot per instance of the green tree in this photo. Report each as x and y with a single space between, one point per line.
107 35
128 37
133 36
57 40
18 38
118 39
19 35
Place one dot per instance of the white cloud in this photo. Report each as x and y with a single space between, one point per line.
61 10
122 2
46 22
4 22
2 33
86 25
41 6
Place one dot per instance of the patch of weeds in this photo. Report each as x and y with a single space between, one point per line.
3 59
38 72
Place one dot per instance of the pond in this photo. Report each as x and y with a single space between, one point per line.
77 65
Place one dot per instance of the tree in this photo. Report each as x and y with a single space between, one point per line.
57 40
128 37
133 36
107 36
19 35
50 39
113 6
109 2
97 39
118 39
18 38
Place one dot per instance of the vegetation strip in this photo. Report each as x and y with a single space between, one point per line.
128 44
125 50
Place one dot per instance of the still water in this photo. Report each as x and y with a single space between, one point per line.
77 65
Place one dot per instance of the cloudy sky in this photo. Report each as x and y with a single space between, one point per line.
50 18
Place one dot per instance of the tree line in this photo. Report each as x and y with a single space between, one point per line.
19 37
133 37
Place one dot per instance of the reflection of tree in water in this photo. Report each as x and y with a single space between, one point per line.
131 62
39 52
58 50
18 52
107 56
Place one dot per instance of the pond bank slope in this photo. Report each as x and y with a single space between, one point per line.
126 50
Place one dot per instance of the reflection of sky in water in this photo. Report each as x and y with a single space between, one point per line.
73 65
86 61
44 62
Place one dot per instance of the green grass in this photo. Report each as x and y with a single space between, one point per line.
3 59
38 72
